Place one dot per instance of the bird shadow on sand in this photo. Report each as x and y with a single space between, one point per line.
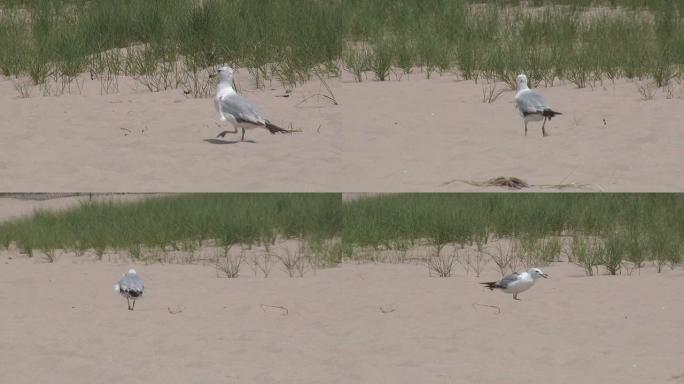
218 141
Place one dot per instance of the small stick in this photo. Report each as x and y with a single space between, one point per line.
383 310
315 95
175 311
515 183
275 306
569 174
485 305
292 129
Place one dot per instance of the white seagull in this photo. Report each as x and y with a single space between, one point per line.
236 110
517 282
130 286
532 106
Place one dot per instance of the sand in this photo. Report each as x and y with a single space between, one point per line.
138 141
394 136
418 134
369 323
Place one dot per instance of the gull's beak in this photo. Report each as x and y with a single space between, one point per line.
212 75
545 275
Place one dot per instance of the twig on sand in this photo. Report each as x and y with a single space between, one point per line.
510 182
178 309
516 183
285 311
593 187
316 95
383 310
475 305
292 129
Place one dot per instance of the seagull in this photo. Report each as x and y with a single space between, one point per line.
532 106
130 286
236 110
517 282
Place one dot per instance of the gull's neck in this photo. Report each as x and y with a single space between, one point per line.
522 87
225 88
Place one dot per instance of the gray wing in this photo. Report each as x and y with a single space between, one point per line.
241 109
531 102
503 283
131 282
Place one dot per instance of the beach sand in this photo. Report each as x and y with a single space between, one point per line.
138 141
368 323
418 134
394 136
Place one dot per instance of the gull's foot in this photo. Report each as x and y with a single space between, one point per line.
222 134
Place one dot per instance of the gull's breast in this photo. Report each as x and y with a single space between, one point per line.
217 102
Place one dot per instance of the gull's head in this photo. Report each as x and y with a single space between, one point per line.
117 288
132 271
521 80
537 273
225 74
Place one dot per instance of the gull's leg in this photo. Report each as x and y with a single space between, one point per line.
543 130
515 296
133 306
243 134
222 134
525 127
129 303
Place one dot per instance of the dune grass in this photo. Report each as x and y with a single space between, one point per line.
177 222
603 229
584 42
141 38
616 231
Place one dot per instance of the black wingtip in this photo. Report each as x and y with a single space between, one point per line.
275 129
491 285
550 113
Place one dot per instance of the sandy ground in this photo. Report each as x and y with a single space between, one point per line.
369 323
409 135
137 141
12 208
417 134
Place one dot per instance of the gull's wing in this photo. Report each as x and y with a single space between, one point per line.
131 282
513 277
241 109
531 102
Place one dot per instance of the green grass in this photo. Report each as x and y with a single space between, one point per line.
177 221
632 227
67 37
537 229
288 39
500 40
